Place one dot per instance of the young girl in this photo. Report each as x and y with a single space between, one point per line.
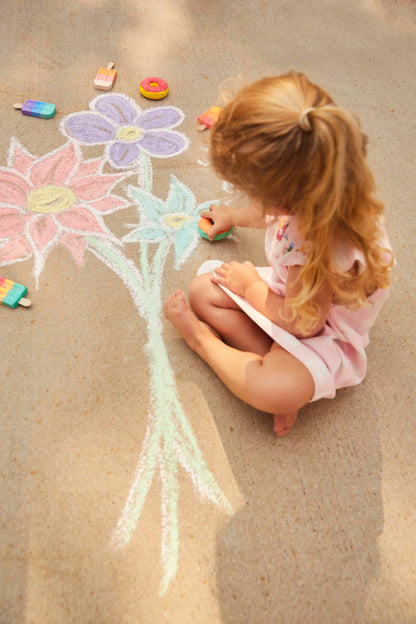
282 336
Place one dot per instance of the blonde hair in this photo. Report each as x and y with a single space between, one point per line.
285 143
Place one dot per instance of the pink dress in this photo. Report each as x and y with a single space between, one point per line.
336 356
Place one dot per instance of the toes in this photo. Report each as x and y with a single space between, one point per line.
283 423
179 294
174 302
282 432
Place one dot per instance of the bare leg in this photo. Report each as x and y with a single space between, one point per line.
276 382
213 306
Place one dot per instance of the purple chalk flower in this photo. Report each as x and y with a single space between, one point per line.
119 123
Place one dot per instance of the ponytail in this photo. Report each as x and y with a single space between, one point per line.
285 143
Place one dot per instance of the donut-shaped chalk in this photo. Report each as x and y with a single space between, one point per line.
205 225
154 88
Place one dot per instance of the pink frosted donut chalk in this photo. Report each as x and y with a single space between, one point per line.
154 88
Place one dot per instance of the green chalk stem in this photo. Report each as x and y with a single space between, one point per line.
169 439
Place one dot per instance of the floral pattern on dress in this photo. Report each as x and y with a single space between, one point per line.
288 248
281 228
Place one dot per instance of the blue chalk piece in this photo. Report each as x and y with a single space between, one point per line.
35 108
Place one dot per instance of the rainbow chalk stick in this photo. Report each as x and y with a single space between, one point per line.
205 225
105 78
208 119
35 108
12 293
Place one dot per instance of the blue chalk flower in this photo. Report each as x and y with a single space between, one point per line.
175 219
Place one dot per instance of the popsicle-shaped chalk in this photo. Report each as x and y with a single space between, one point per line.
12 293
105 78
35 108
208 119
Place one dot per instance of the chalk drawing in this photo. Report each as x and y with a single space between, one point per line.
61 198
118 122
169 439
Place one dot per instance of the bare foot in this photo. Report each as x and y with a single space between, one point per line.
192 330
283 423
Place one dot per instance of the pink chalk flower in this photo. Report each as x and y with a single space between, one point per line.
59 198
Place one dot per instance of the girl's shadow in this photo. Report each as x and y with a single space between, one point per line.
304 547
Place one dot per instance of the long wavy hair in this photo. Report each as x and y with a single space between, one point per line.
285 143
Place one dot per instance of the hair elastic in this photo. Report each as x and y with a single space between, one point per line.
304 121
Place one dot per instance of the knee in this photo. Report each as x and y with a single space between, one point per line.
280 390
276 402
293 394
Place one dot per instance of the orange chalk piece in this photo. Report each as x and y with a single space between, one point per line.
208 119
105 78
205 225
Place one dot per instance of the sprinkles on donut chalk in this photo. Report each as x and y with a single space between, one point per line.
154 88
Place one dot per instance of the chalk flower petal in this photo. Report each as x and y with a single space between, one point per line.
160 117
54 168
19 159
123 155
89 167
13 188
118 108
163 144
149 205
76 245
43 231
15 249
185 244
180 197
80 219
12 222
94 187
89 128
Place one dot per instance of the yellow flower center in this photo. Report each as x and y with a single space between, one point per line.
129 133
50 198
176 221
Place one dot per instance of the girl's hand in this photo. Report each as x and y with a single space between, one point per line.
221 216
236 276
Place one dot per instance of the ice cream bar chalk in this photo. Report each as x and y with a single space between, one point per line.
208 119
105 78
34 108
12 293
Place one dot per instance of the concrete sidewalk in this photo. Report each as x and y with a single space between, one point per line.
134 487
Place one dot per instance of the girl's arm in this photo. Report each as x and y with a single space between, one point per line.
244 280
225 217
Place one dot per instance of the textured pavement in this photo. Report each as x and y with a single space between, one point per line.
134 487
